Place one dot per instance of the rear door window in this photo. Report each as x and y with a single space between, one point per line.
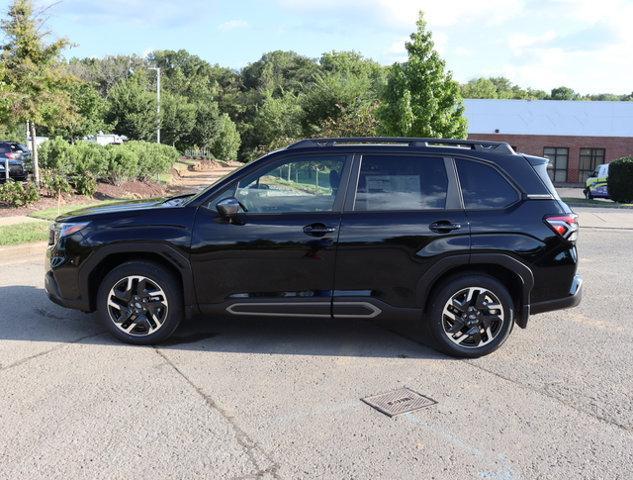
401 182
483 187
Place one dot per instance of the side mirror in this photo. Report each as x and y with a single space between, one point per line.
229 207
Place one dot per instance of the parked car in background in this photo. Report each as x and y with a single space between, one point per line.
596 185
19 159
106 139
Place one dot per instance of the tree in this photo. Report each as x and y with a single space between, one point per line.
499 87
106 72
277 118
35 74
563 93
132 108
178 118
421 98
479 88
352 121
204 131
348 88
279 72
91 109
334 95
227 140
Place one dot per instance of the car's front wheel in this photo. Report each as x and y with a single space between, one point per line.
140 303
470 316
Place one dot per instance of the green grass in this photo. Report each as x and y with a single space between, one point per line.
23 233
53 212
584 202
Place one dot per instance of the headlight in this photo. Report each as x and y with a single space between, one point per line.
61 230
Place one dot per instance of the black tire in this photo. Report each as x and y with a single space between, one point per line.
588 194
156 275
435 321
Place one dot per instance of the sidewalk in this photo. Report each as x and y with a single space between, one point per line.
610 218
18 219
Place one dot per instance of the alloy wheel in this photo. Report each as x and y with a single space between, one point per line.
473 317
137 305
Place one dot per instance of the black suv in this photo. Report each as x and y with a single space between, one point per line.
467 237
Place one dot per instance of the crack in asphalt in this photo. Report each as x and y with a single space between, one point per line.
600 418
57 347
243 439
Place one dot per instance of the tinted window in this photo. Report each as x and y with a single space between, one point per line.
391 182
483 186
298 185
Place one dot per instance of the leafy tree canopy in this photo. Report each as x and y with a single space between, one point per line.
421 98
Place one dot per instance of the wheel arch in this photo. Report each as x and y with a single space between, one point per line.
110 257
508 270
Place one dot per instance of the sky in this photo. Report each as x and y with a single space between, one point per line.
583 44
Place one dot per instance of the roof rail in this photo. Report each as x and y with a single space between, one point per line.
479 145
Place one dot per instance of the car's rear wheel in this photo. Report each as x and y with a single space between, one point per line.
470 316
140 303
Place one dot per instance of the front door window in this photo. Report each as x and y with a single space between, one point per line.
293 186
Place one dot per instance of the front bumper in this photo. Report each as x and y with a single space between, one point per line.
61 284
572 300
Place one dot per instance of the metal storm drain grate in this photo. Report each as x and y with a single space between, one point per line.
398 401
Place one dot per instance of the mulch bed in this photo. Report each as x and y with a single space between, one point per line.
105 191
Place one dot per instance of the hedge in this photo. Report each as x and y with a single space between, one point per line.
112 163
620 180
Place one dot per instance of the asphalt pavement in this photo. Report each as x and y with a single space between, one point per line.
278 398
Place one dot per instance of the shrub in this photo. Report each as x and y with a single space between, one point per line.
85 184
18 194
55 183
123 164
90 159
85 163
620 180
57 154
153 158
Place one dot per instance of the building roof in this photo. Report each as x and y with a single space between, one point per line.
550 117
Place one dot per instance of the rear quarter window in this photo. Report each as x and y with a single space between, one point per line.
483 187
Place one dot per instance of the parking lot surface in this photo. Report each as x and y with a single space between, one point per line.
273 398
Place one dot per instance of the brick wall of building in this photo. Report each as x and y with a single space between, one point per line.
615 147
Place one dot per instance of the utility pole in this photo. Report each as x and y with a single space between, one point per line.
157 101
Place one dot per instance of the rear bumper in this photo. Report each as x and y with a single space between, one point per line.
573 299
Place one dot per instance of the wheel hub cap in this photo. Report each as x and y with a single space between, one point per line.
473 317
137 305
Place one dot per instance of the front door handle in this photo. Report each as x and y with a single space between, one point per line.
318 229
444 226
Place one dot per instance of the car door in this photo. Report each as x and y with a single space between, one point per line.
275 257
402 214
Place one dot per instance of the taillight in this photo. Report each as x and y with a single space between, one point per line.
564 225
10 155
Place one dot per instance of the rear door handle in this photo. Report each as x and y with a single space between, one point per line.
318 229
444 226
